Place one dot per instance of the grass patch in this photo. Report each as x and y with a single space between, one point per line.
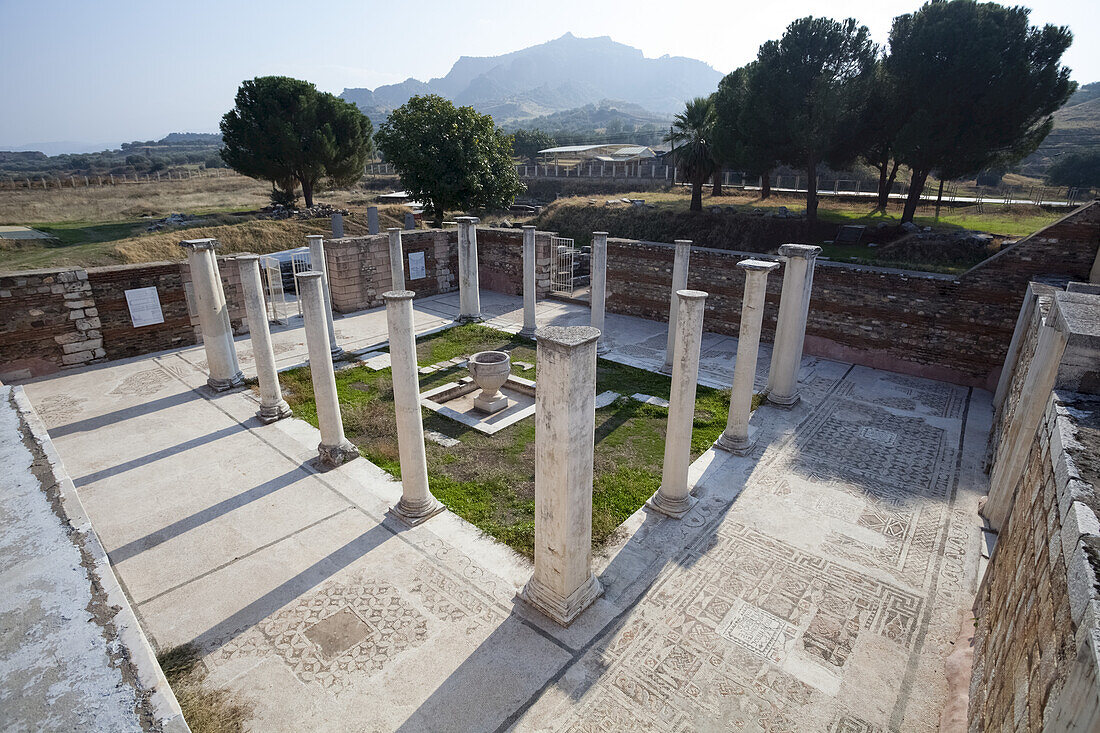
489 479
206 709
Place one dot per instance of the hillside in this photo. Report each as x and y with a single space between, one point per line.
1076 130
558 75
176 149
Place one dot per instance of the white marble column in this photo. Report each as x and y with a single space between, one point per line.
528 282
469 297
674 498
1020 432
790 331
397 259
598 287
317 264
679 282
565 412
736 438
217 332
272 405
334 448
417 503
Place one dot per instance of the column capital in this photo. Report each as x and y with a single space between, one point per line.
808 251
398 295
467 219
196 245
599 234
692 294
757 265
529 226
315 236
566 337
308 275
682 243
246 258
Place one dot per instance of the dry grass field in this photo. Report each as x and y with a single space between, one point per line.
108 225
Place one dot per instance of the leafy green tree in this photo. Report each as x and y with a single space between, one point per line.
449 157
977 88
879 127
691 146
809 87
283 130
526 144
1077 169
741 137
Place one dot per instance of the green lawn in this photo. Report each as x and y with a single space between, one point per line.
489 479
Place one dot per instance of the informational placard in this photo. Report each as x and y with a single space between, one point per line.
417 270
144 307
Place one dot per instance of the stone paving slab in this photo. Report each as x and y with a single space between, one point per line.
816 585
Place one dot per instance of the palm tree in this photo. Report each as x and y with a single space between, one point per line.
691 147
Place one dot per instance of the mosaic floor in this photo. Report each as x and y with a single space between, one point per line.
817 585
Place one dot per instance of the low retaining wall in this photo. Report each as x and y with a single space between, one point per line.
954 328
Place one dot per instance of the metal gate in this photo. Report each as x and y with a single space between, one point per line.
562 266
277 309
299 262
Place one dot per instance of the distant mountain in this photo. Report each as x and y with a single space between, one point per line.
558 75
1076 130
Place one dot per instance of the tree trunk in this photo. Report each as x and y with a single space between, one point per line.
307 191
437 215
916 188
696 195
884 193
883 190
811 193
765 184
939 200
717 189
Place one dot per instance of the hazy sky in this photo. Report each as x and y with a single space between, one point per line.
108 71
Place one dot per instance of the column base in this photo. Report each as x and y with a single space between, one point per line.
736 445
271 413
223 385
675 508
338 353
476 318
561 610
666 368
413 515
784 402
336 455
602 347
527 332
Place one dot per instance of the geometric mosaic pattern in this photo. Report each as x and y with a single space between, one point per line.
748 631
338 634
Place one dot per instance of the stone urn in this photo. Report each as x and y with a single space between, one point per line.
490 370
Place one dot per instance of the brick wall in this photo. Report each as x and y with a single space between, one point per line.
939 326
48 319
359 267
500 261
120 338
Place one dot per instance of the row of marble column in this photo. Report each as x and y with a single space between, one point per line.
562 584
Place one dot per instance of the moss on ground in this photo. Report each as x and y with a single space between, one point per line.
488 480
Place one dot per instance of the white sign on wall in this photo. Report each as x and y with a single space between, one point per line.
144 306
417 270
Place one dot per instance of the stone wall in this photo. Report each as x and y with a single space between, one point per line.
359 267
945 327
120 338
1037 611
48 319
500 261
